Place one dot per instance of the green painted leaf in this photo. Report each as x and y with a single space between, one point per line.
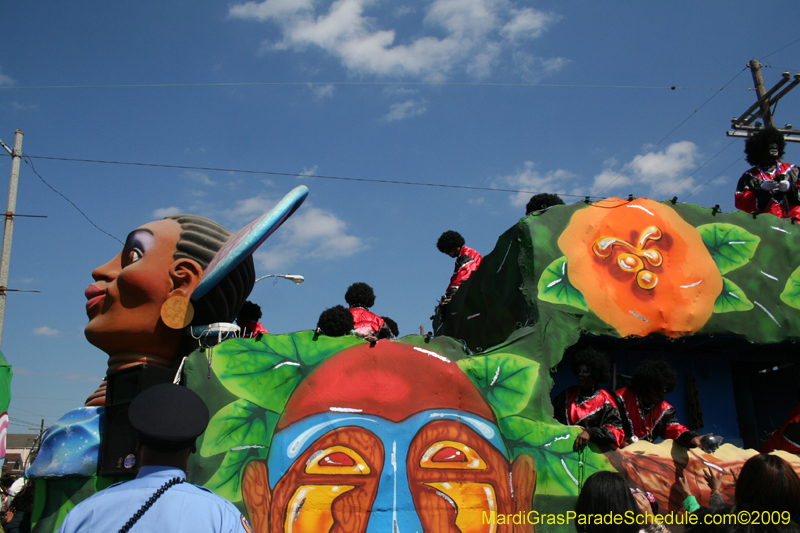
731 299
560 471
506 380
731 246
227 481
554 286
791 293
267 371
241 423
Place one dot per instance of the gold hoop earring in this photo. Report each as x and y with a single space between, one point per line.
177 312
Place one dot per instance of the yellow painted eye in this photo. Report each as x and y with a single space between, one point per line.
337 460
472 501
451 455
309 509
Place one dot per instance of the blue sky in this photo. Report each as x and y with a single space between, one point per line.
534 96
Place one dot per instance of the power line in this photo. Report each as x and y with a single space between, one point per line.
27 160
698 169
294 175
362 83
779 49
715 175
631 165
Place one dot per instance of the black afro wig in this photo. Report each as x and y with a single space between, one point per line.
654 376
360 295
336 321
250 312
449 241
757 146
542 201
595 361
392 325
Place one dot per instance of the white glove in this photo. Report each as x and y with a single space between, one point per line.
784 185
769 185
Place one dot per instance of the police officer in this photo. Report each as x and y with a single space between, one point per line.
168 419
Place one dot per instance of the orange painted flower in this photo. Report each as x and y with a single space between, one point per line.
641 267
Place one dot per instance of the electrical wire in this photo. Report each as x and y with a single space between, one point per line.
632 164
714 176
296 175
698 169
779 49
26 158
362 83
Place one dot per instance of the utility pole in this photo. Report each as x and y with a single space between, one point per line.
8 228
743 125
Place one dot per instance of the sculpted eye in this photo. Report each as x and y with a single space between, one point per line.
451 455
337 460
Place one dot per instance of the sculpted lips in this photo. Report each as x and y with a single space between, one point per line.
93 295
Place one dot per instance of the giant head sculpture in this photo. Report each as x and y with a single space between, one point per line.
386 438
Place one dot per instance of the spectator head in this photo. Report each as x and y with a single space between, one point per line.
542 201
360 295
603 493
250 312
758 147
767 482
450 243
596 363
653 379
336 321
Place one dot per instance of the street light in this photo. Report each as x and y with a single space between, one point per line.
291 277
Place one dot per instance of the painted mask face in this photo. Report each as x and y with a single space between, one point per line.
124 302
394 438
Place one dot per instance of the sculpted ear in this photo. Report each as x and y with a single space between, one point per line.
256 495
186 275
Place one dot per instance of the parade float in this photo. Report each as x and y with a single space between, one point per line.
310 433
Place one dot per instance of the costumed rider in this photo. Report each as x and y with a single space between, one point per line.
336 321
467 261
542 202
248 320
160 499
645 414
587 405
366 324
787 438
771 185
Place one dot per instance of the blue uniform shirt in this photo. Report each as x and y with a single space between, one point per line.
182 508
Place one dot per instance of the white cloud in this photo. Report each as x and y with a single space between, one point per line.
311 233
654 173
200 178
533 181
407 109
22 107
46 331
322 91
309 171
162 212
251 207
6 80
457 34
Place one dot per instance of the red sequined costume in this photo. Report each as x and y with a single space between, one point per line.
752 198
467 262
597 414
651 422
365 321
786 438
251 329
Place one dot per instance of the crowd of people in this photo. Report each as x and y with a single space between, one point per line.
16 494
766 486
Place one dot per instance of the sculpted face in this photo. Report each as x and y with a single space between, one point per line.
124 302
394 438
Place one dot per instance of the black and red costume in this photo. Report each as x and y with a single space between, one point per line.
597 414
467 262
251 329
650 422
752 198
786 438
365 321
